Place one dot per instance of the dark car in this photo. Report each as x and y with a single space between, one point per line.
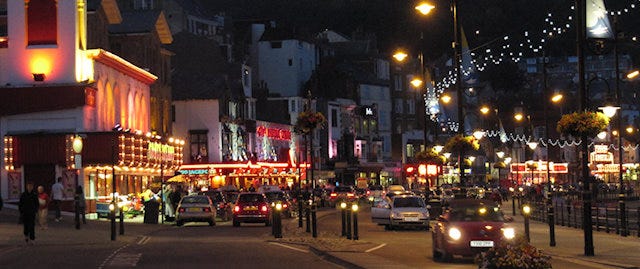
251 207
342 193
468 227
282 198
223 207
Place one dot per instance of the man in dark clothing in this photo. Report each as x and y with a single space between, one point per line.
28 207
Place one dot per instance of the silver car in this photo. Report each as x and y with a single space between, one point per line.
196 208
401 211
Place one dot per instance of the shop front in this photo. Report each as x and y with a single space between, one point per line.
242 175
124 164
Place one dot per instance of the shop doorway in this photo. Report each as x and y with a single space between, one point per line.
41 175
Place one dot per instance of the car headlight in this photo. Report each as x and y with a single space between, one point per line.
509 233
396 215
426 214
455 234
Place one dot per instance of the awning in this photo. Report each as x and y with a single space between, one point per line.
178 179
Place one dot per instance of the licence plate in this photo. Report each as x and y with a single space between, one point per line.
194 209
482 244
250 208
411 219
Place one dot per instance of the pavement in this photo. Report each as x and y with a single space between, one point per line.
611 250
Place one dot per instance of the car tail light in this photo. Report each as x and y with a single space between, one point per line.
368 192
350 195
181 209
236 209
285 205
206 209
334 195
264 208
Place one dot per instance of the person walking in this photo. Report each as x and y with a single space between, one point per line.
57 194
43 207
82 203
28 207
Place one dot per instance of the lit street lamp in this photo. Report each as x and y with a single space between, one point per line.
77 149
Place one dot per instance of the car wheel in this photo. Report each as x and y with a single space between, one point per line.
236 223
179 223
387 227
212 223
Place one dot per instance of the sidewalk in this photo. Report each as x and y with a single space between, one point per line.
612 251
65 233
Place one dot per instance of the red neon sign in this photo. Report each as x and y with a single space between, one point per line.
274 133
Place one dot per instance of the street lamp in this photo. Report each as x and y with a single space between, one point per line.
526 211
77 149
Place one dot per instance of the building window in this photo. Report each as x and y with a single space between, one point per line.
290 62
198 146
398 105
334 118
410 151
4 41
292 105
276 44
397 82
411 107
42 22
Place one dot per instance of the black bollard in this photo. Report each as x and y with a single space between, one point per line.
273 220
112 214
354 208
121 221
278 221
77 210
348 223
526 212
513 204
314 223
307 216
343 209
299 210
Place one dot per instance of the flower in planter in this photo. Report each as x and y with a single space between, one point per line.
513 255
308 121
587 123
429 156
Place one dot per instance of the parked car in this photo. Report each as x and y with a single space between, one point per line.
196 208
223 207
401 211
342 193
251 207
282 198
468 227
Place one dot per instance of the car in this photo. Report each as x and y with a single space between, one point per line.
342 193
435 207
282 198
196 208
375 191
401 211
251 207
396 188
468 227
223 207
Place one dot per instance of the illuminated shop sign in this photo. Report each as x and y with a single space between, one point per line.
159 151
194 172
274 133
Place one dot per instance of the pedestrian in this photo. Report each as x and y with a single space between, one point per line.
57 194
175 197
82 203
28 207
43 207
1 202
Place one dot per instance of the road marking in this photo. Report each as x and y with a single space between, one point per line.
7 250
289 247
126 259
375 248
110 256
145 239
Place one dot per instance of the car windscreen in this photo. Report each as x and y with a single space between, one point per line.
216 196
249 198
195 200
274 196
408 202
375 188
343 189
476 213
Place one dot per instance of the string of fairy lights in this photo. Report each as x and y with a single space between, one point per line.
562 143
513 47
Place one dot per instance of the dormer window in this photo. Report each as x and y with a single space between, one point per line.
42 22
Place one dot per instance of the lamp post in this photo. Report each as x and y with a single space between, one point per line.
354 209
77 149
343 211
586 182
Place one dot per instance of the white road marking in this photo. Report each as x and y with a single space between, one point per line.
110 256
289 247
376 247
126 259
145 239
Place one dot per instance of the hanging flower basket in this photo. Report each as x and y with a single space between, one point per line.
430 157
579 124
513 255
461 143
308 121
